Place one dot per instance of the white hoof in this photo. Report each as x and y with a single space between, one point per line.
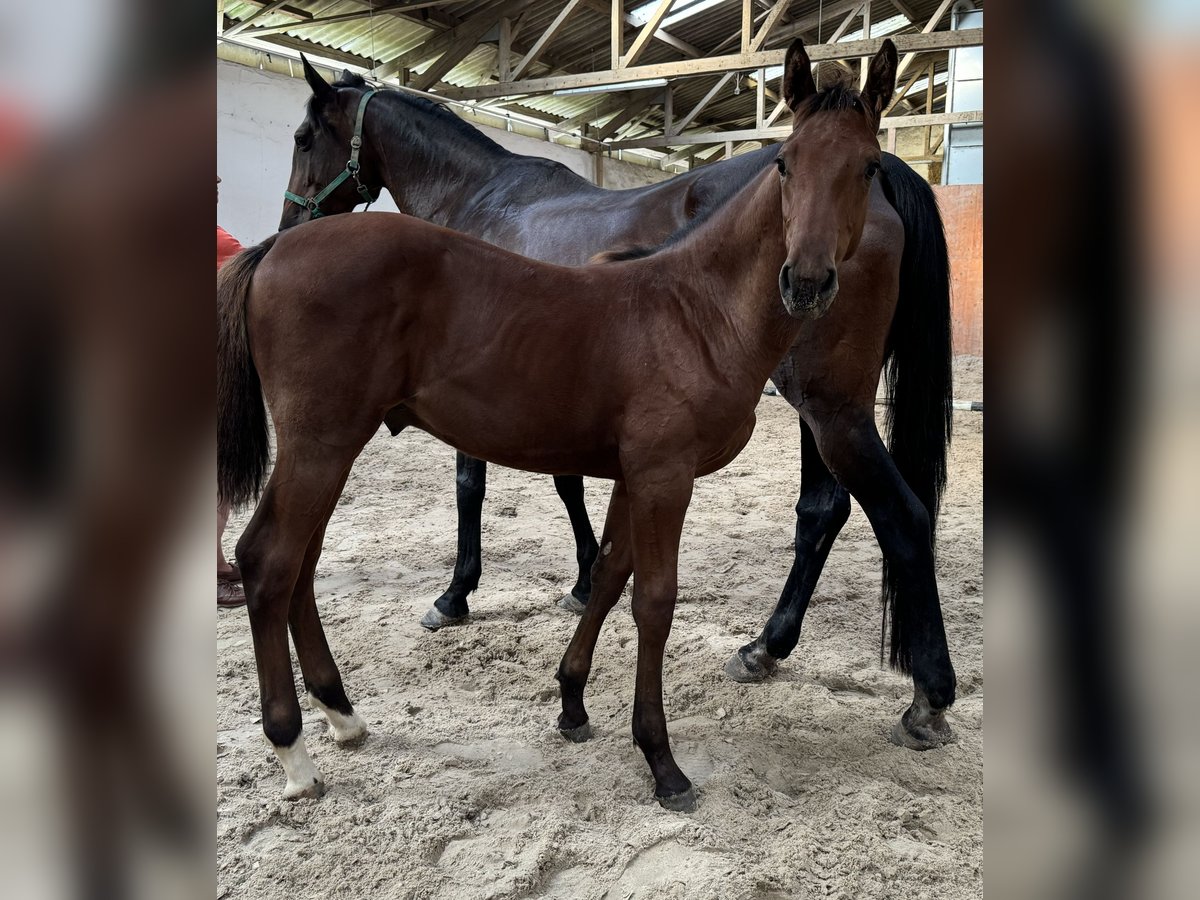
346 730
303 779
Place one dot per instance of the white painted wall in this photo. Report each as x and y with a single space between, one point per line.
257 114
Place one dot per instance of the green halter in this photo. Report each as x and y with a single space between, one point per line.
313 204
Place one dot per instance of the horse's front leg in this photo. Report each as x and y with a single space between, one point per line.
470 489
821 511
658 503
570 491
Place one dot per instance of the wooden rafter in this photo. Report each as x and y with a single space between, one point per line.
780 132
643 38
943 40
545 38
929 26
764 32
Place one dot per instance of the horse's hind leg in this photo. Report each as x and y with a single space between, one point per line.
272 552
821 511
570 491
322 680
610 573
470 486
855 453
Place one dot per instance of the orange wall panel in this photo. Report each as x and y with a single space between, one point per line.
962 212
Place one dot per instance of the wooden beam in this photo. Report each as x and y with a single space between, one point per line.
261 11
546 37
780 132
476 26
457 52
943 40
764 32
804 25
905 9
899 98
633 108
617 31
643 39
704 101
747 25
606 104
504 50
407 6
865 61
929 26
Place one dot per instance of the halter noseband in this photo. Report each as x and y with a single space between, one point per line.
313 204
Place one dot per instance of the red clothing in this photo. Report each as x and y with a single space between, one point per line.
227 246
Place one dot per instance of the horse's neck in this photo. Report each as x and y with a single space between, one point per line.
733 261
425 164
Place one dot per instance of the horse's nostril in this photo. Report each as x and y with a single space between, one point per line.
785 279
830 283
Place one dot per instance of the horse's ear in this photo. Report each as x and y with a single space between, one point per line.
320 87
798 84
881 80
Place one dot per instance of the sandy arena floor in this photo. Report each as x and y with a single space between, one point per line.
465 789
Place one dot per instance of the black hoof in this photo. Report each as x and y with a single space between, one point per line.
578 734
571 603
923 731
684 801
435 619
750 664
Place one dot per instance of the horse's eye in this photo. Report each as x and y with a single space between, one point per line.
872 169
302 143
779 164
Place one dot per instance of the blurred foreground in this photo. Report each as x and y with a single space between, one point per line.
106 462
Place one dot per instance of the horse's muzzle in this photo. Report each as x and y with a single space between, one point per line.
806 297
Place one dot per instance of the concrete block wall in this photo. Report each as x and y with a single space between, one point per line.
257 114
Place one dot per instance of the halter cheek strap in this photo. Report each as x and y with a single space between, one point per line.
313 204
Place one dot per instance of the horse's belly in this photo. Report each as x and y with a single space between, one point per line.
523 436
725 453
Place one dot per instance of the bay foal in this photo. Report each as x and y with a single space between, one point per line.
645 371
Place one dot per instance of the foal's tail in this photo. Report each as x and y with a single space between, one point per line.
919 413
243 443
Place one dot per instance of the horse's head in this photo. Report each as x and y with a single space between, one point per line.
323 152
826 167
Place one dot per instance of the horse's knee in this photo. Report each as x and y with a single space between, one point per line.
281 721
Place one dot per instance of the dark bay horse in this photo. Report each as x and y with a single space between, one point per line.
351 321
441 169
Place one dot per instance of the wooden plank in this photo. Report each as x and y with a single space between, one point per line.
929 27
438 44
617 31
747 25
642 41
704 101
546 37
604 8
764 32
779 132
407 6
942 40
504 50
633 108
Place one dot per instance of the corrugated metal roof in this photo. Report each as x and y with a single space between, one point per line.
581 45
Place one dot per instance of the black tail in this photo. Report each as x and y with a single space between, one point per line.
919 414
243 441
